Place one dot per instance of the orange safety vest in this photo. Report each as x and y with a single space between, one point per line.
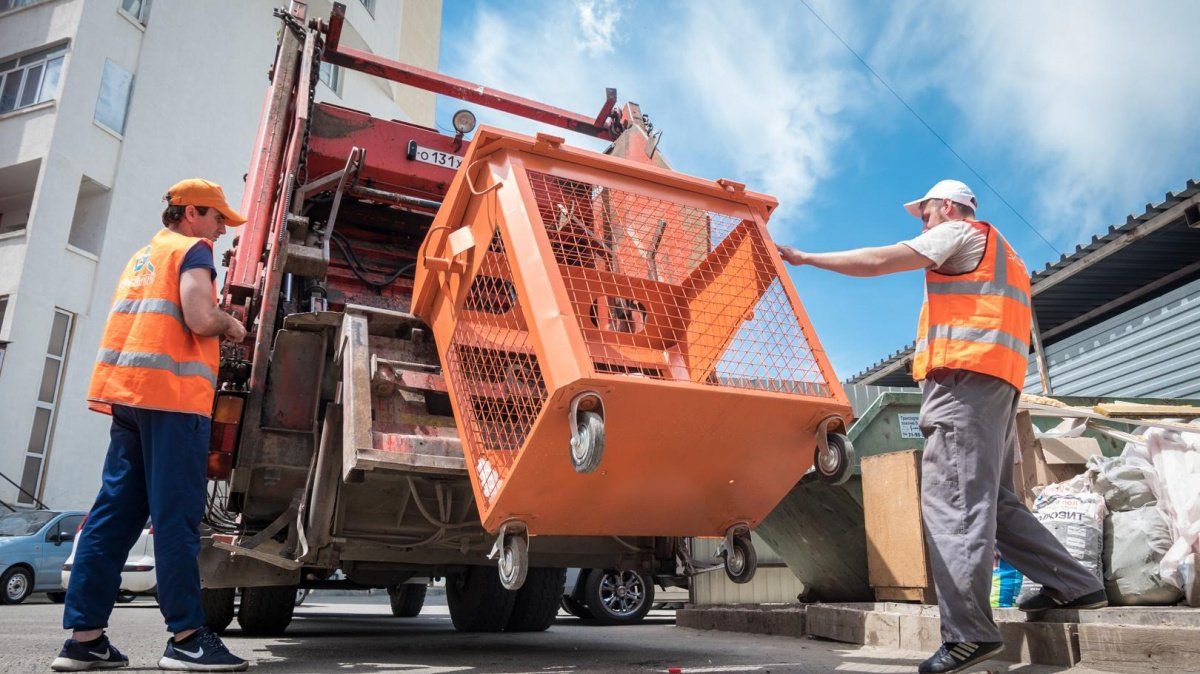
978 320
148 357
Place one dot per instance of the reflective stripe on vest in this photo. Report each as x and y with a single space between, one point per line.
150 306
158 361
964 334
980 322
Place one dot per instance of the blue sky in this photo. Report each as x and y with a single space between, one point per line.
1078 113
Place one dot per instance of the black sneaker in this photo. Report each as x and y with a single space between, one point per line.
77 656
1044 602
203 651
954 657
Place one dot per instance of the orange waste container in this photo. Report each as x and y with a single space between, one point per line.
623 348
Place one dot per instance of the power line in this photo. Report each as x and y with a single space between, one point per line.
930 128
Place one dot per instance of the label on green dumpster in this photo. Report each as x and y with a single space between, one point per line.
909 427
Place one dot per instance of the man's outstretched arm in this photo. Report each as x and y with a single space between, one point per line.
875 261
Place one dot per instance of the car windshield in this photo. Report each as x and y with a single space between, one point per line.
24 524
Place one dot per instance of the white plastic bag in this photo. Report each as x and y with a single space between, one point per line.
1075 515
1176 459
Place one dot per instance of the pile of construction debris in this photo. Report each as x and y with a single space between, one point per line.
1132 518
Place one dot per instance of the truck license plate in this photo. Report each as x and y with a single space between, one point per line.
435 157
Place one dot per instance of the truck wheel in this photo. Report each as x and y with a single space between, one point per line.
477 600
218 608
407 599
574 607
537 601
266 611
16 585
618 597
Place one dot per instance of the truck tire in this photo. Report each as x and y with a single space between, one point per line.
266 611
218 608
477 600
537 601
618 597
407 599
576 608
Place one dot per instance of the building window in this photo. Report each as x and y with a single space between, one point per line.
91 216
30 79
6 5
331 76
370 5
113 102
44 408
138 9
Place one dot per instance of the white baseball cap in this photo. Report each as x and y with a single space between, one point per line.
953 190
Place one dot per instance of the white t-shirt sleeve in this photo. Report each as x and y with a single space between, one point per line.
950 241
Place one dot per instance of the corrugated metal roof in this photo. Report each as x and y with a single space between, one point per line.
1158 249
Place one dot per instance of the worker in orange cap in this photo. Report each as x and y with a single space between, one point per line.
156 375
971 355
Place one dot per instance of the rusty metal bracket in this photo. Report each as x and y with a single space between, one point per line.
259 545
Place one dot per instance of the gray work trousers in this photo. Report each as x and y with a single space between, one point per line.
969 507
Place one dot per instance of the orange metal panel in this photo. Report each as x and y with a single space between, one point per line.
680 460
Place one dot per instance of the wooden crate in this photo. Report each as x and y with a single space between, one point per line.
897 563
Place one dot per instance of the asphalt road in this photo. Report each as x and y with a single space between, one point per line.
358 634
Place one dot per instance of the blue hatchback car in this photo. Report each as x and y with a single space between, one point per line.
33 546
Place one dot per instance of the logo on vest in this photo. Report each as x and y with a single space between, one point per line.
143 271
142 264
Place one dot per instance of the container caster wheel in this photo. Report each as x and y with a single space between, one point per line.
587 433
835 458
741 561
512 553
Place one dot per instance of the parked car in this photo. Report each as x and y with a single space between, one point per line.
610 597
137 576
33 546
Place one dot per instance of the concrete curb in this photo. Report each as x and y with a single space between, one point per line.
779 619
1121 638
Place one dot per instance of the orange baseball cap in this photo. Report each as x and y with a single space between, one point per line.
201 192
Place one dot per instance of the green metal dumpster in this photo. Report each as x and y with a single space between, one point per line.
818 529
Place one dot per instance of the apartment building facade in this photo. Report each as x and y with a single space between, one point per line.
103 105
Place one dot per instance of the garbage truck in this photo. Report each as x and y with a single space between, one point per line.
446 375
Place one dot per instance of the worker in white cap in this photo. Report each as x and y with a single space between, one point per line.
971 355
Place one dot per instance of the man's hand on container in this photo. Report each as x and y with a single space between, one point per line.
792 255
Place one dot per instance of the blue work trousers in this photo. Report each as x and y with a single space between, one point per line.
155 468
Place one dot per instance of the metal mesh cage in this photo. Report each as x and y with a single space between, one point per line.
672 292
492 364
609 332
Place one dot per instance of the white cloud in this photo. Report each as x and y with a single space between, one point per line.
755 92
598 20
767 90
1097 99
